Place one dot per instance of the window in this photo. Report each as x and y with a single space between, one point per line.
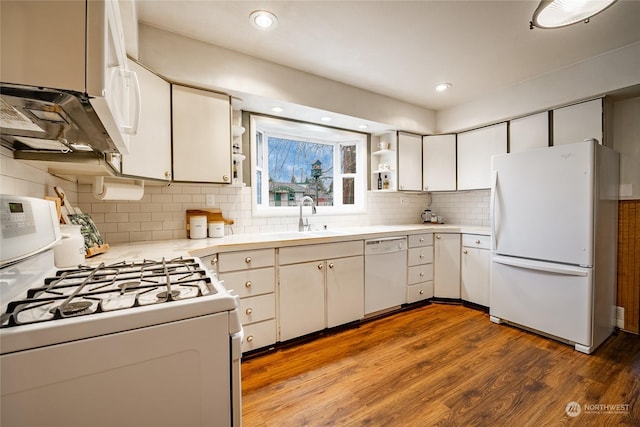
292 160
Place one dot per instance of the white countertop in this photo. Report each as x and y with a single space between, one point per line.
202 247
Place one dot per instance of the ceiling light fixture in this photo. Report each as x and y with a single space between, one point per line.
263 20
560 13
443 86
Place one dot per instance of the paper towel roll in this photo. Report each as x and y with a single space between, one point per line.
118 191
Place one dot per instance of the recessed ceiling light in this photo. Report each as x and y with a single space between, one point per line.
325 119
277 109
263 19
443 86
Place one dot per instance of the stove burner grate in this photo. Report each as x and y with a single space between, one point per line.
123 285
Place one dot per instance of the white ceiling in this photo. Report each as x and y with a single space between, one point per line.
402 49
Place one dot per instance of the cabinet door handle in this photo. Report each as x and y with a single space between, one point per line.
464 251
250 338
247 260
167 174
225 178
320 266
249 310
248 284
437 236
213 261
330 265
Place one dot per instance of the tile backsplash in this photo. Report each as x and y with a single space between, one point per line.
161 213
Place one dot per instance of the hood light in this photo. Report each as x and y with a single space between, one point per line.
263 20
560 13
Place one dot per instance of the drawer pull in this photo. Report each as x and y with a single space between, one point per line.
421 239
421 256
213 261
421 274
248 284
421 291
249 310
477 242
247 260
437 236
330 265
464 252
320 266
250 338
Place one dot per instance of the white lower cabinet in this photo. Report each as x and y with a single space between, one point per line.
446 269
320 286
251 275
301 295
475 267
420 267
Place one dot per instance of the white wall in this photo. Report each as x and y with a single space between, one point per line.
200 64
626 141
21 178
595 76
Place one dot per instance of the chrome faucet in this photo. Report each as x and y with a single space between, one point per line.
313 211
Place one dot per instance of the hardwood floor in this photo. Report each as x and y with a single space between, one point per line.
442 365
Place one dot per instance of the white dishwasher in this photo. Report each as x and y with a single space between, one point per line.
385 274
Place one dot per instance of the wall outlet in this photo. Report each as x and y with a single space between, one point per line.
210 200
620 317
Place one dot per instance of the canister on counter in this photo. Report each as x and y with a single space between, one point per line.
216 229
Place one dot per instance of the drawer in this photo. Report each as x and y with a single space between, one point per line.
249 283
306 253
420 273
257 309
476 241
422 255
419 291
417 240
230 261
259 335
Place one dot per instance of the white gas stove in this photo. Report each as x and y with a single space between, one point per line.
142 342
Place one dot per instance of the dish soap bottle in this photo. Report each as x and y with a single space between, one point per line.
385 182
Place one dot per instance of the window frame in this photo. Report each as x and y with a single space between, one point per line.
339 138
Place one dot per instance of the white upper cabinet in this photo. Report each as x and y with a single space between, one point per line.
439 163
409 162
201 136
578 122
475 149
153 139
529 132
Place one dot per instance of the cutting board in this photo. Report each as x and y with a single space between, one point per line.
212 214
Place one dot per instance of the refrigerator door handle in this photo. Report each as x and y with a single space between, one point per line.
494 190
568 270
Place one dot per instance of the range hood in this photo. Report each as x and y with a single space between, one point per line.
51 121
68 97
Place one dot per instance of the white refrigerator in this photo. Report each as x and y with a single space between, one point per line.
554 218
